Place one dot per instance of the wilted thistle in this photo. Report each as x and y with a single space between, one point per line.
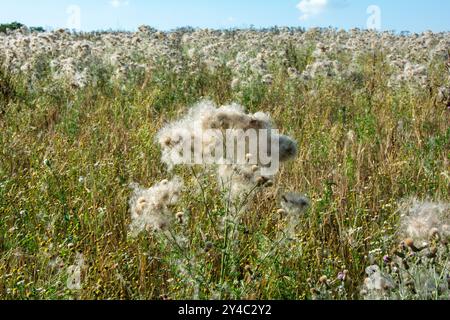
422 220
418 267
150 208
74 273
410 274
202 123
294 203
288 148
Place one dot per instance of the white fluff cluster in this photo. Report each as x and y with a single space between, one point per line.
74 273
294 204
409 73
247 69
66 71
236 177
321 68
151 208
377 284
443 95
239 181
421 220
248 54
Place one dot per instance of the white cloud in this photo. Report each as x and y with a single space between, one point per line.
119 3
310 8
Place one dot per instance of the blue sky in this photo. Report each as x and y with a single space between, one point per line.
399 15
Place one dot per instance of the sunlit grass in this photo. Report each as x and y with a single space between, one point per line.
68 157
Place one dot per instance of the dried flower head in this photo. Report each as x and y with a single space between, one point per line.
377 281
205 124
150 208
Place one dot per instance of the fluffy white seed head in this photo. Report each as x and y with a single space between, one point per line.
421 220
151 208
294 203
205 117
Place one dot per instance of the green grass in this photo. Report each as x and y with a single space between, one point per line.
67 158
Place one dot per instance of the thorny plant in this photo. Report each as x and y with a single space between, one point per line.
368 117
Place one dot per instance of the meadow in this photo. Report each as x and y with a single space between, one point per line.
80 120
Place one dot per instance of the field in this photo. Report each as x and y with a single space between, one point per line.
80 115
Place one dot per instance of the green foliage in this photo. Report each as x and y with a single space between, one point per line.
67 158
17 25
10 26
